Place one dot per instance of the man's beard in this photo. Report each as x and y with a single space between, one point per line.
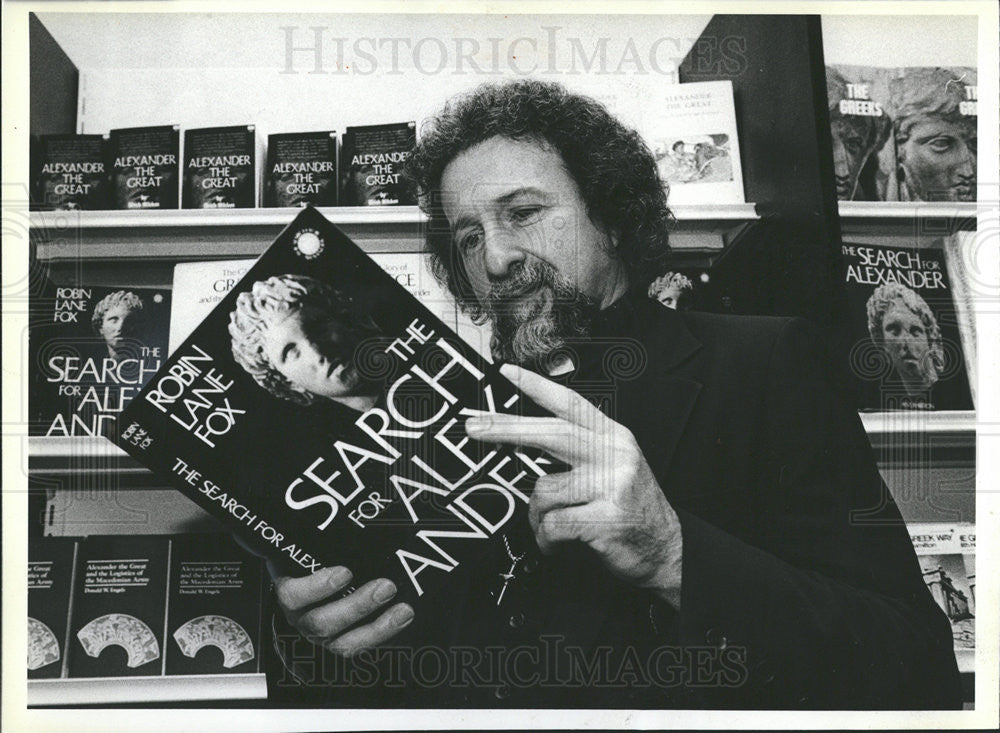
534 312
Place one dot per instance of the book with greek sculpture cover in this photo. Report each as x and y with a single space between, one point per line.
319 411
907 349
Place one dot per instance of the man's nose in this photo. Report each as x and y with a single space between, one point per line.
501 253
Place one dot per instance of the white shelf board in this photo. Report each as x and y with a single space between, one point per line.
907 210
942 429
93 690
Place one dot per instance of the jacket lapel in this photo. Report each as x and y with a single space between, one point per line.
655 405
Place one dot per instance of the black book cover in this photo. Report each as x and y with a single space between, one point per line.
119 607
50 578
354 452
213 607
371 160
301 169
907 352
144 167
72 172
219 164
91 349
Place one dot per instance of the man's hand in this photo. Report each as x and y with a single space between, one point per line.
608 499
308 604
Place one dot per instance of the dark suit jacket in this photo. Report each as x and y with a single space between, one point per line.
800 585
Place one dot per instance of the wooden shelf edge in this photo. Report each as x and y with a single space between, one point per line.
111 690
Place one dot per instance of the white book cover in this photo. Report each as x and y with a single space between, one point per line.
198 287
691 129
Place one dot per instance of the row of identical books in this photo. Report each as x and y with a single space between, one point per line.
105 610
690 128
144 168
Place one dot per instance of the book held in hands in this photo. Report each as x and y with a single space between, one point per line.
319 412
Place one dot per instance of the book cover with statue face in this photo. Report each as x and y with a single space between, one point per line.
318 410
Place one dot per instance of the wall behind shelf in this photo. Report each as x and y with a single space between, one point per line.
201 70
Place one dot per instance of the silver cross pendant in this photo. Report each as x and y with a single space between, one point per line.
507 578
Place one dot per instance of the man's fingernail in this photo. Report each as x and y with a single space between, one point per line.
475 425
339 576
402 616
384 591
509 371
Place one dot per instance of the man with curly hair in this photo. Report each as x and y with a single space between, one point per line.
699 550
297 336
902 324
114 319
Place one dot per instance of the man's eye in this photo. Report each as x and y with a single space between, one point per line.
470 241
526 214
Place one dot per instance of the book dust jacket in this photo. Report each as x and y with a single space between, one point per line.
319 412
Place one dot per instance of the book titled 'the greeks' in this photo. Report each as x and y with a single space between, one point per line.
319 412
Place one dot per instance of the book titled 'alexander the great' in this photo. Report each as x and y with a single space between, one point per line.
219 167
319 412
71 172
371 161
301 169
119 607
92 347
907 352
144 167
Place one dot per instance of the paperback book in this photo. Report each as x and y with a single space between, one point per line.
71 172
907 351
372 159
91 349
864 147
219 168
144 167
50 583
319 411
691 129
947 555
301 169
119 607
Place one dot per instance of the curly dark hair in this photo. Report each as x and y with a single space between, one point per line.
611 164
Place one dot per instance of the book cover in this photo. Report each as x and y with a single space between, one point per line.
71 172
213 607
959 256
691 129
935 116
906 352
50 581
318 412
301 169
197 288
689 289
119 607
144 167
219 168
92 347
371 160
864 148
947 555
